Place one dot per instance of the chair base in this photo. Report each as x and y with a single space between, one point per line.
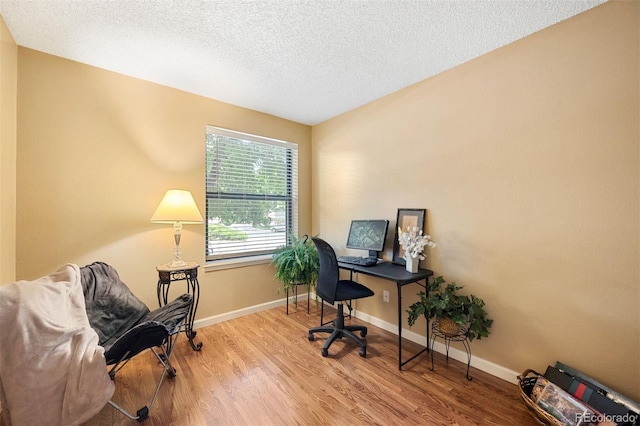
166 350
338 331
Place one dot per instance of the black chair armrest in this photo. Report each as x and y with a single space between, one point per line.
173 313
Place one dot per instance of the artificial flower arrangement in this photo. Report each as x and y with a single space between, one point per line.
413 242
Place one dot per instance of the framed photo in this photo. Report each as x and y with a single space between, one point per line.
406 217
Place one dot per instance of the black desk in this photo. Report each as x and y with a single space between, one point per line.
399 275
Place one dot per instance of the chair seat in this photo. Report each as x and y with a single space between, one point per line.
351 290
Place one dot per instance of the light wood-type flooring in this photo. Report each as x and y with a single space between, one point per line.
261 369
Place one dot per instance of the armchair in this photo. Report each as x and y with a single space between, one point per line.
126 326
64 336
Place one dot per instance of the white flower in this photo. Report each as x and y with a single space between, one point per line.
413 241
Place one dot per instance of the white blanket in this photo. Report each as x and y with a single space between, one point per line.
52 370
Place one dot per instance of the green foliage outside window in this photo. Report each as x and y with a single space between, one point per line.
248 178
221 232
251 193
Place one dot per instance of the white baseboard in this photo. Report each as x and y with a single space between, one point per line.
457 354
242 312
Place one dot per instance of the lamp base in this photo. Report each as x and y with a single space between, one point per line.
177 255
177 263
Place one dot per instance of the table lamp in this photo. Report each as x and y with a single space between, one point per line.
177 207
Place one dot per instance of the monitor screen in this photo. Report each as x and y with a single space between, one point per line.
368 235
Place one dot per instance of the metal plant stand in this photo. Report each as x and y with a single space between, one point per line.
460 336
296 295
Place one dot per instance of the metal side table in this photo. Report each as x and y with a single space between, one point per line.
188 273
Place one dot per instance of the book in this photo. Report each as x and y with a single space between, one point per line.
632 406
560 404
594 396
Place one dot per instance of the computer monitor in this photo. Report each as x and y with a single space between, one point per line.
368 235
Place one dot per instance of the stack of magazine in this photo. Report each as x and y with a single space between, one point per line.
575 399
560 404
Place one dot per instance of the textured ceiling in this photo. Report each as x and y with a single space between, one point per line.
306 61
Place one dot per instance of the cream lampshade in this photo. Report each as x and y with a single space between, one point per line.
177 207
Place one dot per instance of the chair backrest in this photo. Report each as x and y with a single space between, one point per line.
111 306
329 275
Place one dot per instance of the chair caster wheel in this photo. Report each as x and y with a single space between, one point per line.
363 352
311 338
325 352
363 333
171 372
143 414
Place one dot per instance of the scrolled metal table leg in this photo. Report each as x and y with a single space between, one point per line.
195 288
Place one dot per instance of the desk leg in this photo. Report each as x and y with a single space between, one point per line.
428 335
426 349
399 327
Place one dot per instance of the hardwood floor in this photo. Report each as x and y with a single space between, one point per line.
261 369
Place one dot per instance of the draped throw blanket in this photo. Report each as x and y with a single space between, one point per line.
52 369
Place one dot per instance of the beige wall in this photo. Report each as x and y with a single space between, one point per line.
528 162
8 98
96 152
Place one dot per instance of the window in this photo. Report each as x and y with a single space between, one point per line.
252 194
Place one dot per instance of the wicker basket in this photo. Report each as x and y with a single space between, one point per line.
526 381
448 327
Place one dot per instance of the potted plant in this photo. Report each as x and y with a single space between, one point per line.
442 302
297 263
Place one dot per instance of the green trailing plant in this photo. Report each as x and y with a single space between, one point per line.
297 263
443 301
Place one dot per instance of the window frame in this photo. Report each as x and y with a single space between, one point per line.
290 199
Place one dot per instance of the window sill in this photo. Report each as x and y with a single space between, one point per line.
218 265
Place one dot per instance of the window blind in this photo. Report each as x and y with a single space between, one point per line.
252 194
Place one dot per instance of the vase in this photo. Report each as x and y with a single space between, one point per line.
412 264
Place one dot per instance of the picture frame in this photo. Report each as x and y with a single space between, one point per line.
406 217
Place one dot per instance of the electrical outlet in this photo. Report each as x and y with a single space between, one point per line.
385 296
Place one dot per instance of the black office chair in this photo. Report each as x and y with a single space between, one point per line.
332 289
